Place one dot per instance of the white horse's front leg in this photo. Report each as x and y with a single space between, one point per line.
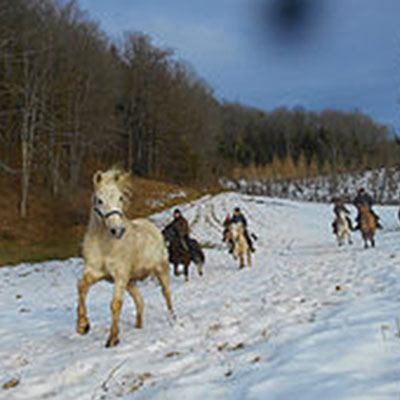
84 284
116 306
137 298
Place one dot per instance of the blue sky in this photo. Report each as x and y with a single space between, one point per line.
344 55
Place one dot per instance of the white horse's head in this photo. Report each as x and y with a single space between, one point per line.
108 200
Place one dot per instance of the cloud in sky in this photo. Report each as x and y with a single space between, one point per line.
348 56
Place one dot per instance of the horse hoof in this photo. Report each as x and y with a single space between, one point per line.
83 329
112 342
139 325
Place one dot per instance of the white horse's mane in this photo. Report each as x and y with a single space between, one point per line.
121 178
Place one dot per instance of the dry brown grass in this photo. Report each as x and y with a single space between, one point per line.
55 226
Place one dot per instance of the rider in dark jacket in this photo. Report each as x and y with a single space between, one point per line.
182 228
364 198
239 217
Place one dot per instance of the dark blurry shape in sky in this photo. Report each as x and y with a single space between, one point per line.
291 22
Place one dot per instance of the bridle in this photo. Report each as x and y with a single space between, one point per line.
107 215
115 232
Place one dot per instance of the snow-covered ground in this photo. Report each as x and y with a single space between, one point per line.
308 321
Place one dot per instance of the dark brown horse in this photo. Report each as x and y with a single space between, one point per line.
183 252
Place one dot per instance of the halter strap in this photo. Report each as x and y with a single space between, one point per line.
109 214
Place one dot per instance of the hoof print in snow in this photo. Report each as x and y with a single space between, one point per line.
222 346
172 354
264 334
12 383
236 347
215 327
226 346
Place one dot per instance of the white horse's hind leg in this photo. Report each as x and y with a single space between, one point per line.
138 299
84 284
116 306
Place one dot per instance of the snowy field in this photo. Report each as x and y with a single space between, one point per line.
308 321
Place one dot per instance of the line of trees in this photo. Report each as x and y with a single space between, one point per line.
295 143
71 99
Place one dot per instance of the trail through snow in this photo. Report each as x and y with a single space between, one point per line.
309 320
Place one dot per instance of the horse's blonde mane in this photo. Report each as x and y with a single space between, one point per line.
121 178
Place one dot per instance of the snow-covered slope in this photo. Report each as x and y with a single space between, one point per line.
383 184
308 321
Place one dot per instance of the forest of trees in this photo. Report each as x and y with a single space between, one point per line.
72 100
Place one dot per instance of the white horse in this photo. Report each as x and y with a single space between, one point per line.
241 247
119 250
343 230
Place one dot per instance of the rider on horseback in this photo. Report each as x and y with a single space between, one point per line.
363 198
337 209
239 217
181 226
